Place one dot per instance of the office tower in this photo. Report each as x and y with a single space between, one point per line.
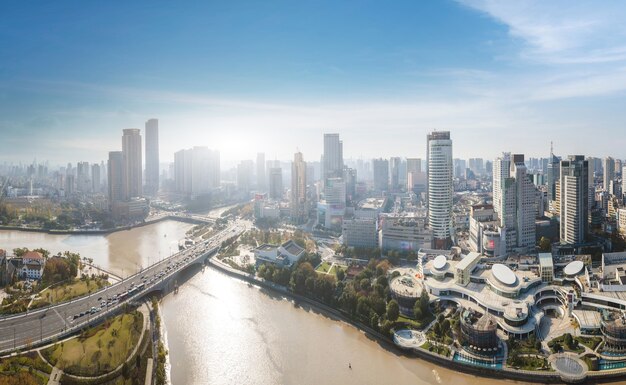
131 151
244 176
349 175
276 183
553 176
333 156
459 168
196 171
115 168
200 160
609 173
214 169
381 174
439 174
476 165
95 178
152 156
260 172
618 167
299 210
501 172
574 190
335 199
518 204
394 172
182 179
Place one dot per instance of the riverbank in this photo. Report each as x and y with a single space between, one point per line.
387 343
103 231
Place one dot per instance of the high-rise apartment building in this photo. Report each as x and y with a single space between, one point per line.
574 199
381 174
333 156
261 179
244 176
152 156
131 151
609 173
440 188
115 168
298 201
624 182
83 180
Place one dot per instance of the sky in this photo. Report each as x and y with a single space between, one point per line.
247 76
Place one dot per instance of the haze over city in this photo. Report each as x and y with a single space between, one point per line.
317 192
242 76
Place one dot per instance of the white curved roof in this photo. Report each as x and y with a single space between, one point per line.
440 262
574 268
503 274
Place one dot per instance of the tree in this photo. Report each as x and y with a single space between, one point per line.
445 326
393 310
567 340
341 275
545 244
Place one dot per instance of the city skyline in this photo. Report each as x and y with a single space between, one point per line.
565 80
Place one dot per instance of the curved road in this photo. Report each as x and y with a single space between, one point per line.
43 325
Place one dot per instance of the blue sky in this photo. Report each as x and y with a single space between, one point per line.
253 76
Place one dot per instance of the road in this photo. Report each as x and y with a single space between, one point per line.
37 326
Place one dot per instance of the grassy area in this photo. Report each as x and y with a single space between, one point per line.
67 291
590 342
574 347
415 324
100 349
528 362
324 267
333 270
441 350
25 369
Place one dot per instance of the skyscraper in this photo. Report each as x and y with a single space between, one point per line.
244 176
152 156
394 171
276 183
416 178
624 182
131 152
609 173
554 175
95 178
298 199
261 179
115 168
333 156
381 174
501 171
518 208
574 190
440 191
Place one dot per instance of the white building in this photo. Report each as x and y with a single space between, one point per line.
282 256
440 188
33 264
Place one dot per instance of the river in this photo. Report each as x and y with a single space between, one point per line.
223 331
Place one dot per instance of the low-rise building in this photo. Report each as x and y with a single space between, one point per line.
284 255
32 265
404 233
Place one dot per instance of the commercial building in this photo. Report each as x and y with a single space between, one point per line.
546 267
514 197
152 157
332 209
360 232
465 267
574 200
404 233
486 236
440 187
